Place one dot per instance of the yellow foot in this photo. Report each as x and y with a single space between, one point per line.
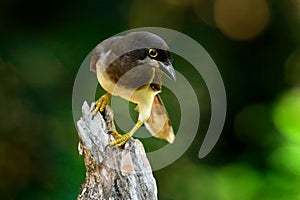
101 103
115 134
122 139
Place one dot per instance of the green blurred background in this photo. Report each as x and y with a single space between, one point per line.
255 44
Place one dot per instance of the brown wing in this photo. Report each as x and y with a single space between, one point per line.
159 124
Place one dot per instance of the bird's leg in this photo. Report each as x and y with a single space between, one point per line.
122 139
101 103
115 134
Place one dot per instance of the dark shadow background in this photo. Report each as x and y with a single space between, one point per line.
255 44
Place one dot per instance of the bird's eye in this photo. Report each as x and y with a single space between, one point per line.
152 53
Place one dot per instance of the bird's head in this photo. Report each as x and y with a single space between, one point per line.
161 59
148 49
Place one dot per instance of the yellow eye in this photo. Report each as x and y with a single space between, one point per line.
152 53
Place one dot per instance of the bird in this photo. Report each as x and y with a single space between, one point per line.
132 67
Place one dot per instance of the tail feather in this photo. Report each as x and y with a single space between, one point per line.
159 124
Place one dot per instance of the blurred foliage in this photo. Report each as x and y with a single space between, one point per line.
255 44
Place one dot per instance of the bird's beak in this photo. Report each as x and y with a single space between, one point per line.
167 69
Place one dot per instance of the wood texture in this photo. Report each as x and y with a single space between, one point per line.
111 172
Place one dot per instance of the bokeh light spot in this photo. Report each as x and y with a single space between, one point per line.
241 19
204 10
286 115
156 13
287 159
292 68
37 65
237 181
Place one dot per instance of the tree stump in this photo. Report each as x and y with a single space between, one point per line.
111 172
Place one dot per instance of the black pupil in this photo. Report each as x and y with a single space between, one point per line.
152 52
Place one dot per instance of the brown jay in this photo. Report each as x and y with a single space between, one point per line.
132 67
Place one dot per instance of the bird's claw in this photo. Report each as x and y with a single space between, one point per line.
122 139
115 134
101 103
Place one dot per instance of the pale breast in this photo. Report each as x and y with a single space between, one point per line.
131 86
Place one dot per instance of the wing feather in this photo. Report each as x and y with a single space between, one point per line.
159 124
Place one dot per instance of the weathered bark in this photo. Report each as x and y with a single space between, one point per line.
111 172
